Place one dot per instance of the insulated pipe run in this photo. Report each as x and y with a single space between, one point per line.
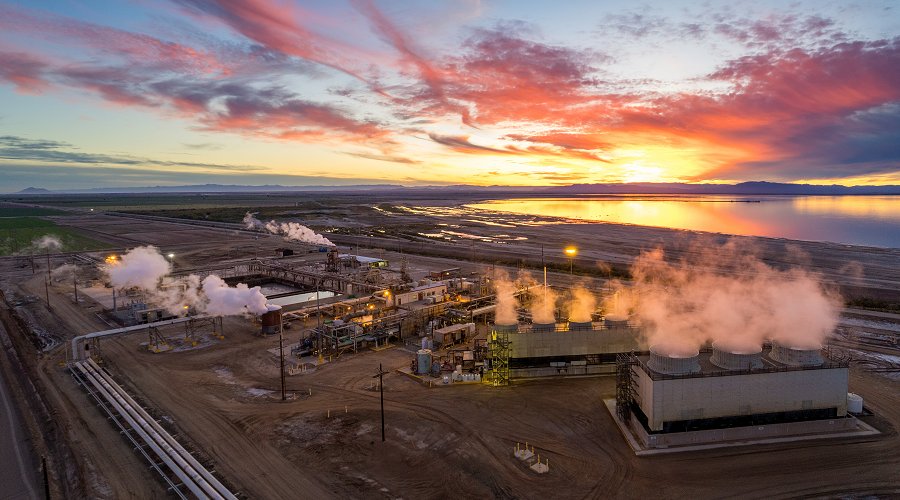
160 451
77 342
209 478
156 433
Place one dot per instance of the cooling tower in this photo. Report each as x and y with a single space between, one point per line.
795 356
580 326
543 327
673 361
510 328
615 321
736 359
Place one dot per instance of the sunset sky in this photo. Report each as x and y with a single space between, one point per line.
155 92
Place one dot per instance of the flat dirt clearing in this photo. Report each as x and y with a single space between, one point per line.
458 441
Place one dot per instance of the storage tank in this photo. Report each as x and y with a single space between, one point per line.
731 358
854 403
615 321
580 326
673 360
795 356
423 361
543 327
271 320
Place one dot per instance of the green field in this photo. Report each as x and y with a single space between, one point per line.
8 211
18 233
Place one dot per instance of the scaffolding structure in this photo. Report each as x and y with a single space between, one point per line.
498 351
625 384
196 326
157 343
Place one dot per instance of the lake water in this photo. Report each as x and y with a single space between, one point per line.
855 220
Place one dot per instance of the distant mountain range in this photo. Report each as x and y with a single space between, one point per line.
744 188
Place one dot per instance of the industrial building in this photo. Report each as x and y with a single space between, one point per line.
673 397
432 292
552 349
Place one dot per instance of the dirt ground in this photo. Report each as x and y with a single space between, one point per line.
458 441
223 402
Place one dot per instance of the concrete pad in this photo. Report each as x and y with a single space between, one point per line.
863 429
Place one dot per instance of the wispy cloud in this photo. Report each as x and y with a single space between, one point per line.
792 94
45 151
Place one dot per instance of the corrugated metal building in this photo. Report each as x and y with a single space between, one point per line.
713 389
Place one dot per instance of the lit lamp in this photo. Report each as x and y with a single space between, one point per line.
571 252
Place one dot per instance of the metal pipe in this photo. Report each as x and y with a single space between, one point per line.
145 435
78 353
209 478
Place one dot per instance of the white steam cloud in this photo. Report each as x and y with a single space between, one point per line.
147 269
223 300
543 306
64 271
291 231
251 222
47 242
505 314
581 306
729 296
141 267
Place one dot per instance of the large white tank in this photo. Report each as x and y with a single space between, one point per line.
731 358
672 361
794 356
854 403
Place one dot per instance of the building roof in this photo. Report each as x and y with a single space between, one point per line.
708 369
429 286
361 258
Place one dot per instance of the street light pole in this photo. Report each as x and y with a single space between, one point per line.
571 252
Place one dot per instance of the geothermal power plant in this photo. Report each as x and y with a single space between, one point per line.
206 367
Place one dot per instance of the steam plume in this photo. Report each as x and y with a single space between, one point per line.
147 269
543 306
142 267
297 232
64 271
47 242
505 314
582 305
291 231
251 222
620 304
223 300
728 295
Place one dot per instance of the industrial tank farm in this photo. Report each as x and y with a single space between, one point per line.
268 387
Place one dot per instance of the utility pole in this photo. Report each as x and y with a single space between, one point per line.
281 352
75 282
48 265
319 325
380 376
47 291
46 477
